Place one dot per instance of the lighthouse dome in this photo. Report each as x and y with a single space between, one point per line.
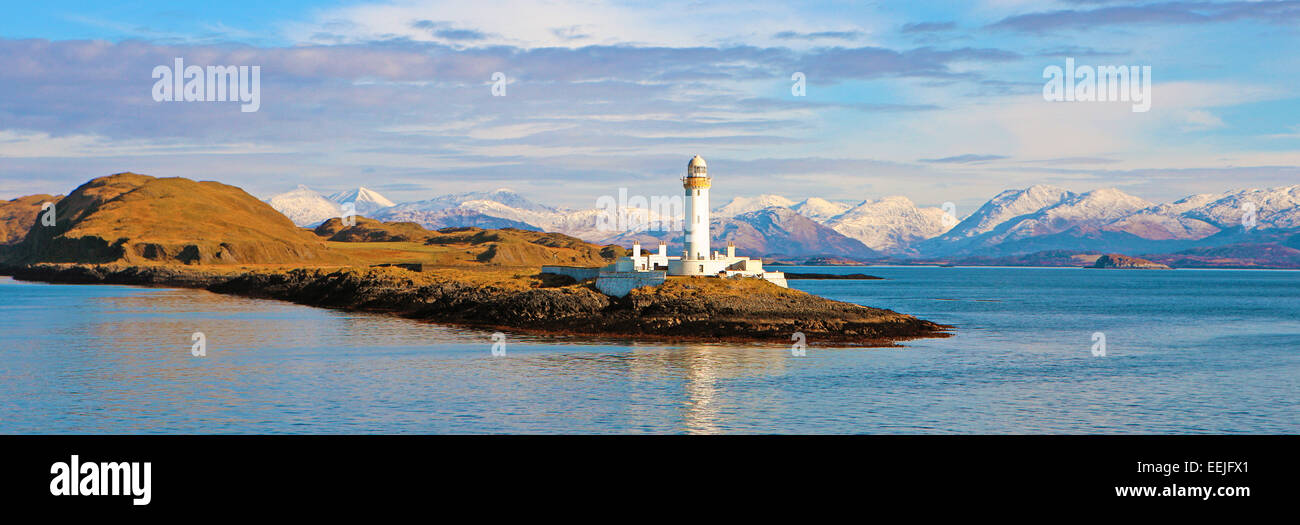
696 167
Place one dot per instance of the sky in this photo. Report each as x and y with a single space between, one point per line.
936 101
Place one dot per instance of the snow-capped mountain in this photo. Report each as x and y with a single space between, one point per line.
890 225
819 209
1074 217
1111 220
1004 207
781 230
461 217
1273 208
304 206
739 205
1168 221
1095 208
366 201
502 196
600 226
1203 215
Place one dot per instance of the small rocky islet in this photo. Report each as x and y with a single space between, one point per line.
123 229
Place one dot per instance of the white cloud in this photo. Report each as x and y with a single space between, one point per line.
33 144
1199 119
575 23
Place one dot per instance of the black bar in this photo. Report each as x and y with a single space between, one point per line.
323 473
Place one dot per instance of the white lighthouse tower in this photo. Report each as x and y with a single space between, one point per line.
697 184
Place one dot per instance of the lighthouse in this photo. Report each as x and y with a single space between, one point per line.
643 268
697 182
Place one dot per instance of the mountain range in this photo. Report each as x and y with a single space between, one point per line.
1013 224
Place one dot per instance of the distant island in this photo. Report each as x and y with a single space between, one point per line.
831 276
140 230
1125 262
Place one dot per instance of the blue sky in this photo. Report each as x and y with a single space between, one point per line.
937 101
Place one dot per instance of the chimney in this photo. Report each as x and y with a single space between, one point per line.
663 248
731 250
636 249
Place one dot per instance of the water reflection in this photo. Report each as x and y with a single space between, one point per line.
111 359
703 371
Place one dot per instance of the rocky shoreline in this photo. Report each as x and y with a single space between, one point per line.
732 310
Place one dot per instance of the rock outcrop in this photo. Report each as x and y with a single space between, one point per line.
681 309
1114 260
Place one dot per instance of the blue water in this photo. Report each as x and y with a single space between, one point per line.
1187 351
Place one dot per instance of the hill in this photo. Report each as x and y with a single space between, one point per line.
1049 258
17 216
512 247
136 218
1244 255
370 230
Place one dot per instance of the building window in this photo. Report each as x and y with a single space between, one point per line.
701 268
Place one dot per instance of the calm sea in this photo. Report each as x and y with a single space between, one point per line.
1186 351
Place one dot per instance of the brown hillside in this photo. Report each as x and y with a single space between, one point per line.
137 218
18 215
370 230
514 247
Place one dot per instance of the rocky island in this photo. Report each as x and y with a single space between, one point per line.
140 230
1114 260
